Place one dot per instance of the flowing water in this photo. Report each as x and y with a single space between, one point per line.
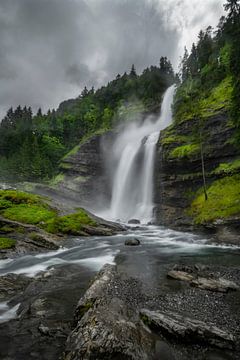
133 153
159 247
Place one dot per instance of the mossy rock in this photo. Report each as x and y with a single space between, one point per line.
7 243
223 201
6 229
185 151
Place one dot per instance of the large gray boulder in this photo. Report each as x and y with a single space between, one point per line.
105 328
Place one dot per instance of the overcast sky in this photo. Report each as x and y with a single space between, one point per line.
50 49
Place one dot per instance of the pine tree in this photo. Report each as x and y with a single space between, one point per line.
133 71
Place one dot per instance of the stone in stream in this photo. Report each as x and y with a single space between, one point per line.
132 242
173 325
180 275
194 276
134 221
219 285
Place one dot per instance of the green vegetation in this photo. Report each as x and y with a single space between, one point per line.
223 201
185 151
32 146
6 243
56 180
24 207
6 229
210 73
172 139
29 214
33 209
205 105
228 168
69 224
81 310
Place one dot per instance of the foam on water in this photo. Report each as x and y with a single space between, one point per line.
7 313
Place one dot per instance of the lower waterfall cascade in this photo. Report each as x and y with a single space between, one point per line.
133 153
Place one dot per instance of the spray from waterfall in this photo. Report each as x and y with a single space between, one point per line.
133 153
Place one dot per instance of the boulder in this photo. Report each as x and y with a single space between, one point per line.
132 242
180 275
172 325
134 221
105 326
202 282
219 285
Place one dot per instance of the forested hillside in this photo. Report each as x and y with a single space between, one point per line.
201 150
211 72
31 146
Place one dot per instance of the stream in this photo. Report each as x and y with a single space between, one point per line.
159 248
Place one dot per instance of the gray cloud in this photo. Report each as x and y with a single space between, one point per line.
50 49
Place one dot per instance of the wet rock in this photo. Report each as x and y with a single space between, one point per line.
11 284
134 221
187 330
219 285
132 242
105 326
180 275
194 275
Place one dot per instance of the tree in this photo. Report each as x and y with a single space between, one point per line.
133 71
233 7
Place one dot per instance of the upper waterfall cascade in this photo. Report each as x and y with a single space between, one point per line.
133 155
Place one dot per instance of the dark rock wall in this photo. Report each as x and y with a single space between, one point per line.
85 175
178 179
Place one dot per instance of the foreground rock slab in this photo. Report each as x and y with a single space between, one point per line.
172 325
105 328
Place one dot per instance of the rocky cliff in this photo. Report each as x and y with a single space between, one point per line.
84 176
179 180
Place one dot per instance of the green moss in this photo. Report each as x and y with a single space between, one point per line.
220 97
65 166
185 151
72 152
69 224
81 310
6 243
19 197
228 168
32 209
6 229
223 201
145 320
207 104
174 139
24 207
56 180
29 214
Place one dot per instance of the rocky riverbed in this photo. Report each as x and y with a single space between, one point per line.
46 312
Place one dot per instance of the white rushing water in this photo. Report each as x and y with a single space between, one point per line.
133 153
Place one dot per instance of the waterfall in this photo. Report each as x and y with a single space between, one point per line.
133 155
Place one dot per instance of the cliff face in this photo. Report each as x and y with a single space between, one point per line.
178 172
85 178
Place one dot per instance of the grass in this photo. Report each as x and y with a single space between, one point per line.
7 243
56 180
223 201
185 151
168 140
207 104
228 168
69 224
220 97
32 209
